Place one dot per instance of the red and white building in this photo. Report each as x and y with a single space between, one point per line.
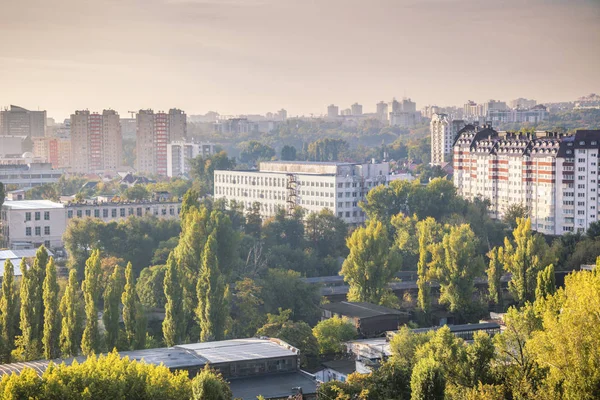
555 176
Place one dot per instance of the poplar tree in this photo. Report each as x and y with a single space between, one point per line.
522 260
51 315
212 303
112 300
173 323
30 342
494 273
132 311
8 311
90 340
429 231
546 283
70 309
370 265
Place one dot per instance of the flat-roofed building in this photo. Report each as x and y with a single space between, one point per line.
30 174
32 223
314 186
369 319
180 152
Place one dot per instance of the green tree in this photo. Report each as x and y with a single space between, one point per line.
427 380
513 213
546 283
32 311
90 341
136 193
51 313
298 334
455 264
522 258
8 311
494 273
130 309
150 286
70 309
568 346
112 302
173 323
246 313
254 152
190 200
332 333
370 265
429 232
326 233
288 153
212 299
404 345
210 385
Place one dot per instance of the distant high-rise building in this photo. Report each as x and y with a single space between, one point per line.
357 109
154 131
177 124
332 111
443 133
282 115
128 128
382 111
408 105
346 112
96 141
521 103
18 121
403 114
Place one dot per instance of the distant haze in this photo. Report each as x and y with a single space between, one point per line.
254 56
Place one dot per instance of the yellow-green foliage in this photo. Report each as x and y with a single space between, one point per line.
105 377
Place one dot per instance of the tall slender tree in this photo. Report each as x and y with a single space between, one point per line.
173 323
370 265
131 311
494 273
90 341
546 282
112 301
30 343
51 314
212 302
70 309
8 311
429 232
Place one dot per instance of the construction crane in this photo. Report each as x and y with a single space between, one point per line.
132 113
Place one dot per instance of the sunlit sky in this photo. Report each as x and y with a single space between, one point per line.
255 56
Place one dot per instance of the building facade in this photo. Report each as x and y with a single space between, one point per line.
31 223
19 121
313 186
29 174
332 111
180 152
554 176
153 133
96 141
443 132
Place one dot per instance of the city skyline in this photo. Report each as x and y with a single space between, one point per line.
255 56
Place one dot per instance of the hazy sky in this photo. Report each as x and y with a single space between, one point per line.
254 56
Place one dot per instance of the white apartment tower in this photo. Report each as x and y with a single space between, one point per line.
313 186
443 133
554 176
179 153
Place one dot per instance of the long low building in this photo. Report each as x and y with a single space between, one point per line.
314 186
255 366
28 224
29 174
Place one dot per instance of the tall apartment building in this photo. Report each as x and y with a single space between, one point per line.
554 176
534 115
382 111
313 186
18 121
180 152
443 133
357 109
96 141
177 125
404 113
332 111
154 131
522 103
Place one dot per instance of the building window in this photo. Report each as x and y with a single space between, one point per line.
88 213
46 215
105 213
79 214
122 212
28 231
70 214
46 243
113 213
139 211
46 230
97 213
38 215
27 216
38 231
